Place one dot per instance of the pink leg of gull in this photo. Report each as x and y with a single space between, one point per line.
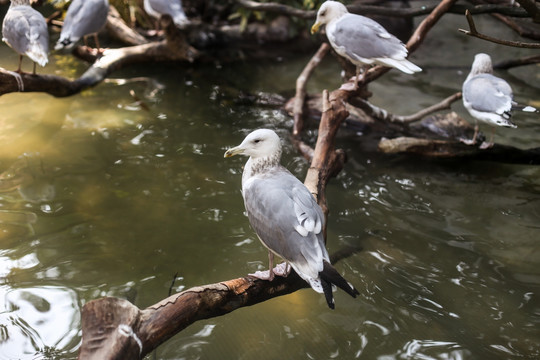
283 270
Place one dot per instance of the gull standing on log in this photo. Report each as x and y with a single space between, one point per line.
488 98
361 40
25 31
285 215
156 8
84 17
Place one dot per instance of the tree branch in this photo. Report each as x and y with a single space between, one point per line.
381 114
301 88
456 149
473 32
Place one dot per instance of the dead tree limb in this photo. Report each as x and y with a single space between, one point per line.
474 33
173 48
382 114
301 88
327 161
114 328
457 150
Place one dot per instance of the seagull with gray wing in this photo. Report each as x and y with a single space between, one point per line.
285 215
83 18
361 40
488 98
25 31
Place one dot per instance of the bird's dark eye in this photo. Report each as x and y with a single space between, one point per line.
256 141
323 13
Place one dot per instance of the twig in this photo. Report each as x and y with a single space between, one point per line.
523 31
473 32
301 88
384 115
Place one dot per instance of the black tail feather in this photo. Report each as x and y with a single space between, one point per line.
329 276
327 289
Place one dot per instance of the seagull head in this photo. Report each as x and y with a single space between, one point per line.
328 11
259 143
481 64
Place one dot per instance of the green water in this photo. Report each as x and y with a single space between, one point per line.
101 197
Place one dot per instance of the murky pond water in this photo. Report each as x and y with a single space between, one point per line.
101 197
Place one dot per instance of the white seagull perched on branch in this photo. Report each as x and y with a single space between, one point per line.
25 31
84 17
488 98
361 40
285 215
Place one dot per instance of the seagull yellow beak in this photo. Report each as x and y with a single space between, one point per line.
233 151
315 27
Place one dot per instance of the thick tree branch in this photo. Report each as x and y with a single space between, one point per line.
116 329
456 149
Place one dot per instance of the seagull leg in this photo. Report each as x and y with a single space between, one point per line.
268 274
34 72
487 145
283 269
357 78
271 266
475 135
20 64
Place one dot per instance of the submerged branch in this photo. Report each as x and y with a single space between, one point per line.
458 150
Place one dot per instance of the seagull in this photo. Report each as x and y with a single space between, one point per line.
25 31
84 17
488 98
285 215
361 40
156 8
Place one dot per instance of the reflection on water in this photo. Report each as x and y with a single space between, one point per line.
42 320
114 191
